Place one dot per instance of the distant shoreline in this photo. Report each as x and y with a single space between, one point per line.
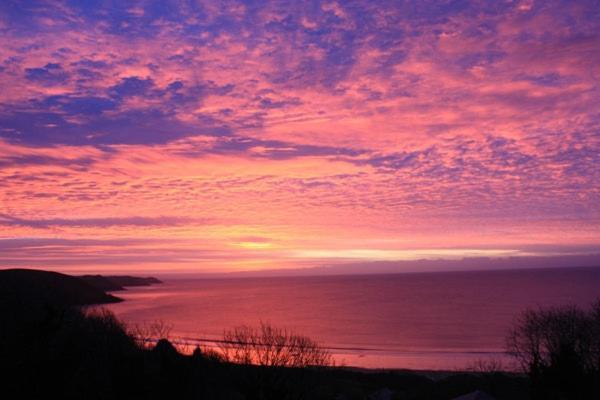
114 283
320 272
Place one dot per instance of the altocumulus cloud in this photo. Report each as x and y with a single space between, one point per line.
162 221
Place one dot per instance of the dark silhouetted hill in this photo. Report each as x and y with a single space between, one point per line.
51 288
118 282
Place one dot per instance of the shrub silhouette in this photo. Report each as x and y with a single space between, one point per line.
147 334
273 363
559 348
269 346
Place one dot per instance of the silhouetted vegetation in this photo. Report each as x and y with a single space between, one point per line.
559 348
146 334
269 346
50 347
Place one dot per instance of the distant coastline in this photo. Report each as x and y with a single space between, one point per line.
113 283
40 288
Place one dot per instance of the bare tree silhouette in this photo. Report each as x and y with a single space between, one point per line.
559 348
271 346
147 334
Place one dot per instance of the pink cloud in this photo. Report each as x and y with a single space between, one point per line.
362 127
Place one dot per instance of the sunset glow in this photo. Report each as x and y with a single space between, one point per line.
232 136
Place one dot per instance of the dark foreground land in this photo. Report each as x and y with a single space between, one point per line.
50 346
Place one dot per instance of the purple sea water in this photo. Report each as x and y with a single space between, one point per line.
443 320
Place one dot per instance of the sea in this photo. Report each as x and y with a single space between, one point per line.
424 321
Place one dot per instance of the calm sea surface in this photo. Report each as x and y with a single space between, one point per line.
424 321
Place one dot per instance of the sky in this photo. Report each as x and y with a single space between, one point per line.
218 136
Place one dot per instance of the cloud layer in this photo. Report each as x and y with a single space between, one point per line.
332 128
